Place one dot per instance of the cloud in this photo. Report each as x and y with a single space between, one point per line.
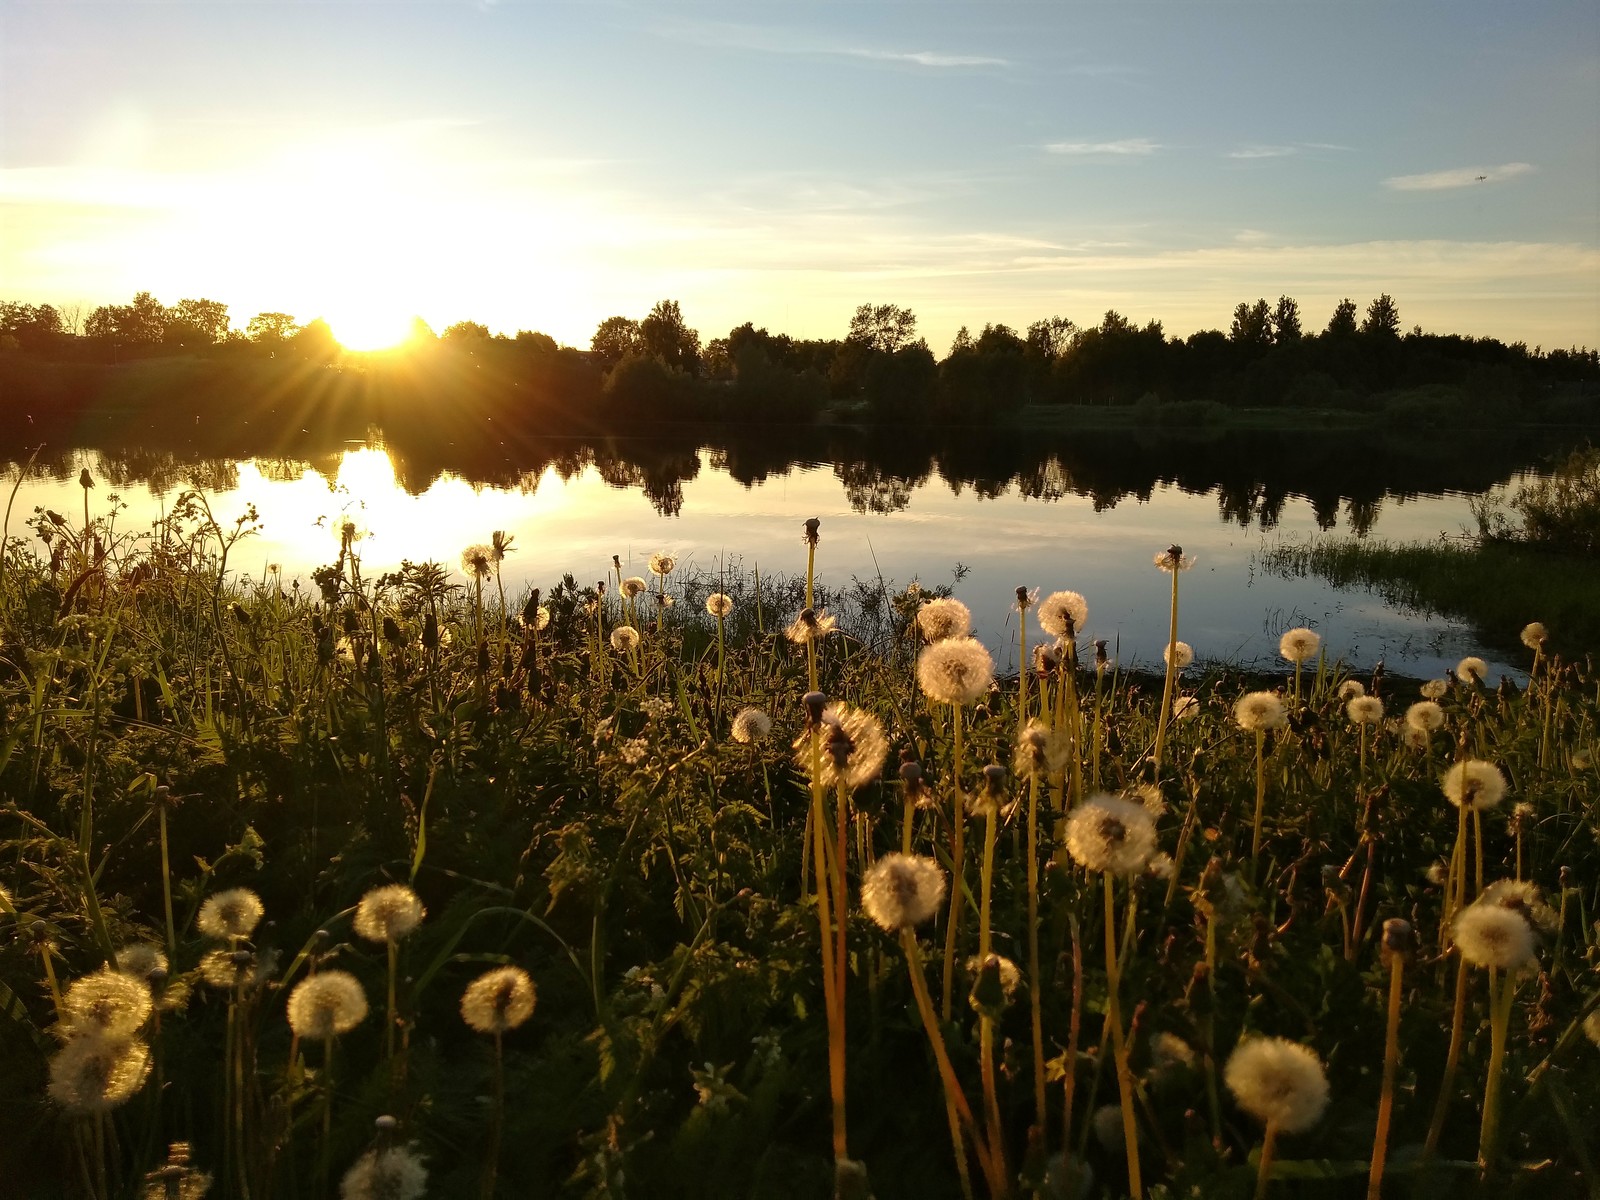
1263 151
1436 181
928 58
1125 148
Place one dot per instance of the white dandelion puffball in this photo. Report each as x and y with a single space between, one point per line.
1178 655
751 725
633 586
1534 635
477 561
1491 936
498 1000
395 1173
1278 1082
1186 708
1474 784
957 670
662 564
1299 645
1063 614
1351 688
1425 716
1258 711
1107 833
1472 669
1525 899
1434 688
943 618
107 1003
325 1004
848 747
140 960
901 891
1365 710
1173 559
624 638
719 605
94 1073
231 914
809 626
1041 750
388 913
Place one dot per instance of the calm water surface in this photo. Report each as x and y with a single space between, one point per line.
1079 518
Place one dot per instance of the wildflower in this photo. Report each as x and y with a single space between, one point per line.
1351 688
1106 833
498 1000
1491 936
1026 599
1278 1082
1534 635
956 670
1434 688
1046 659
633 586
1436 874
851 744
1472 669
751 725
1185 708
325 1004
662 564
1524 899
105 1004
1168 1050
1364 710
1041 751
231 914
1148 795
95 1073
1173 559
541 618
944 618
634 751
477 561
389 1173
655 708
1424 716
387 914
1259 711
624 638
810 626
226 969
994 985
719 604
1299 645
140 959
1474 784
1161 867
1063 614
1178 655
901 891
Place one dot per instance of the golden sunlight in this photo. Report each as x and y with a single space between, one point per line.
371 329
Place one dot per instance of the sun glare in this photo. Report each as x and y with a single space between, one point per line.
370 330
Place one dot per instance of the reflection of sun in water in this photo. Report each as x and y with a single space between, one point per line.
371 328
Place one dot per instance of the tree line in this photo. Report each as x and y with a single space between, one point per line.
657 367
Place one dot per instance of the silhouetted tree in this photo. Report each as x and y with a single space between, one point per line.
615 339
141 323
884 327
1286 321
666 335
1343 321
463 332
1252 326
192 322
270 328
1383 317
1050 337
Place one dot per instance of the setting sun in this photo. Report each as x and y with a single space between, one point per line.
371 330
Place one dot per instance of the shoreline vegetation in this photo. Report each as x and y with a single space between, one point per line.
401 885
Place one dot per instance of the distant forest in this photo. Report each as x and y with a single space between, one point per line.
55 363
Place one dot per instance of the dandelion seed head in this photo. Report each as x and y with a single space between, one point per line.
719 604
1474 784
1041 751
1148 795
325 1004
388 1173
1173 560
1299 645
1351 688
624 638
388 913
957 670
1534 635
1434 688
1107 1126
1185 708
1258 711
810 626
633 586
901 891
541 618
751 725
662 563
1591 1027
848 746
1491 936
230 914
140 959
498 1000
1364 710
477 561
95 1073
943 617
1107 833
1523 898
1178 655
105 1004
1472 669
1278 1082
1425 716
1168 1051
1063 614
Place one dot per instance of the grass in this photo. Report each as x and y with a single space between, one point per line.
171 729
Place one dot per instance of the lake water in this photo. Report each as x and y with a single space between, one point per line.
1085 512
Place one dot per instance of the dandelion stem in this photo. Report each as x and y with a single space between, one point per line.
1452 1060
1261 795
166 882
991 1100
1391 1064
1130 1128
1269 1146
1501 994
492 1166
1035 979
958 854
1172 672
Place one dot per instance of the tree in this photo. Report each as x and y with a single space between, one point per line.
1286 321
197 321
1383 318
539 343
614 340
33 326
270 328
667 336
465 331
1050 337
884 327
1343 321
143 322
1252 325
962 343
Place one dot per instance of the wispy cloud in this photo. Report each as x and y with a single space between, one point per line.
1436 181
1124 148
1263 151
927 58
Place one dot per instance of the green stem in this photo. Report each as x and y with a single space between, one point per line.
1172 658
958 854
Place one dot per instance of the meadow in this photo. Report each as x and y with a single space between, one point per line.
673 885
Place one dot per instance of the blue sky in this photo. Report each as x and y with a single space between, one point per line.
539 165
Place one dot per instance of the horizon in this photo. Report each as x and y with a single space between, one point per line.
545 167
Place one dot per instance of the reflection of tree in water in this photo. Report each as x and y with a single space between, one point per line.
1048 480
871 490
289 470
660 477
1362 514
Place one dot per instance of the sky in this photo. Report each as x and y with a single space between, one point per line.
547 165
